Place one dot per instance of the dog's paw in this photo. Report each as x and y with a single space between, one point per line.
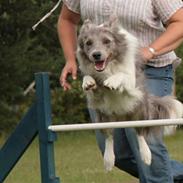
113 83
109 159
146 156
89 83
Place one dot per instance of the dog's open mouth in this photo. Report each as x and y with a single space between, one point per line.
100 65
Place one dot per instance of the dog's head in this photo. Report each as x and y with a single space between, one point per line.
101 44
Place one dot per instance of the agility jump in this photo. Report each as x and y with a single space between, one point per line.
37 121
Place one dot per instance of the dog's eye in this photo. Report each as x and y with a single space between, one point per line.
106 41
89 43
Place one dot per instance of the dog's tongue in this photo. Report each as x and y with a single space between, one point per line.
100 65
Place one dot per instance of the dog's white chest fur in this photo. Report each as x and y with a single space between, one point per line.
112 101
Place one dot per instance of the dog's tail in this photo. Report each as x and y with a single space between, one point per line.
178 108
169 108
177 112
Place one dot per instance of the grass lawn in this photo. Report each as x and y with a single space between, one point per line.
78 160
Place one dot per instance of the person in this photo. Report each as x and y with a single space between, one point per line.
158 25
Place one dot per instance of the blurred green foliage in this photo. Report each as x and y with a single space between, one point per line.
179 75
24 52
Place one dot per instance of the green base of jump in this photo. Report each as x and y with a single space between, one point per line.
34 123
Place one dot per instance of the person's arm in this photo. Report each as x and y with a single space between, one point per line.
67 32
169 40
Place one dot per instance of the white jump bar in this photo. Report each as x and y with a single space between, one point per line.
119 124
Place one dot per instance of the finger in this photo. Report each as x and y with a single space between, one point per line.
64 76
66 86
60 80
74 74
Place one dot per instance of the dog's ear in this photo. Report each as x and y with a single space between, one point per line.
80 43
112 23
87 22
84 28
86 25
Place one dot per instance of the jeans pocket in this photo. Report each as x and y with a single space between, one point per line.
159 81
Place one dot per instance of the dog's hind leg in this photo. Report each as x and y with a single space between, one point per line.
109 157
145 152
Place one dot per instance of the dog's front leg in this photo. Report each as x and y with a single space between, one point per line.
109 157
88 83
120 81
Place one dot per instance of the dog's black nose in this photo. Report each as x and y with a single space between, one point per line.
96 55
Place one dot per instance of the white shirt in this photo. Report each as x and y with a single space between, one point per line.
143 18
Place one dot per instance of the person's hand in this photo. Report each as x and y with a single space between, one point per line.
146 54
70 68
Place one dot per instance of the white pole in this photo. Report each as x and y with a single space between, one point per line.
119 124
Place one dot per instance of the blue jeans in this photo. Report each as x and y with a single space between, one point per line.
159 82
